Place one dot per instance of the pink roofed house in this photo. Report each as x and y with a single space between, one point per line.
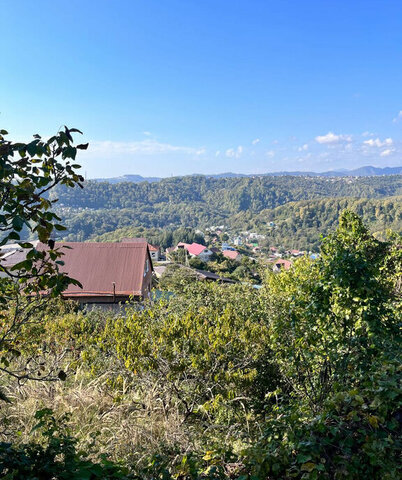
232 254
196 250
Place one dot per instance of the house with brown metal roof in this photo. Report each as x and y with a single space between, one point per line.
109 273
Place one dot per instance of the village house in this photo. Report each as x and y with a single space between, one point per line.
232 255
274 252
256 236
110 273
196 250
155 252
281 264
296 253
237 241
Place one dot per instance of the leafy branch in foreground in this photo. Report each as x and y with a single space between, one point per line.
28 172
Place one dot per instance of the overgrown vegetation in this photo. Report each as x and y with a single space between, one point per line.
299 379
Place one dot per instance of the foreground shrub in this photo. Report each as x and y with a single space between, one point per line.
205 352
356 435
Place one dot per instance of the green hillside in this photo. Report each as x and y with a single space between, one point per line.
302 208
301 224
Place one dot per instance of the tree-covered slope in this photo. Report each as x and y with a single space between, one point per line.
225 195
302 207
301 224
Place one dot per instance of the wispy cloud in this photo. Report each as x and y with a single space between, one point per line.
270 153
387 152
378 143
398 118
144 147
331 137
255 141
303 148
234 152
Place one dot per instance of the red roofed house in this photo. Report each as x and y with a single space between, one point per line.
109 272
296 253
281 264
155 252
232 254
196 250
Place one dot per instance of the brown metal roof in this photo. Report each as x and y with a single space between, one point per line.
139 240
98 265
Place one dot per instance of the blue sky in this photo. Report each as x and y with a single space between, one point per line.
173 87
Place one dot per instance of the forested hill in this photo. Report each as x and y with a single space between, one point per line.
225 195
301 207
301 224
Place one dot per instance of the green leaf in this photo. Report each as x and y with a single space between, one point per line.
60 227
83 146
18 223
308 467
13 236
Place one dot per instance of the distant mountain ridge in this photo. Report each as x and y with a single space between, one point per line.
358 172
128 178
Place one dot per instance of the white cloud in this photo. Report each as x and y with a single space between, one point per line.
217 153
143 147
148 134
303 148
378 143
398 117
386 152
367 134
234 152
331 137
255 141
270 153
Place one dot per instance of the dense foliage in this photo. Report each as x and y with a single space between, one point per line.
228 195
300 379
